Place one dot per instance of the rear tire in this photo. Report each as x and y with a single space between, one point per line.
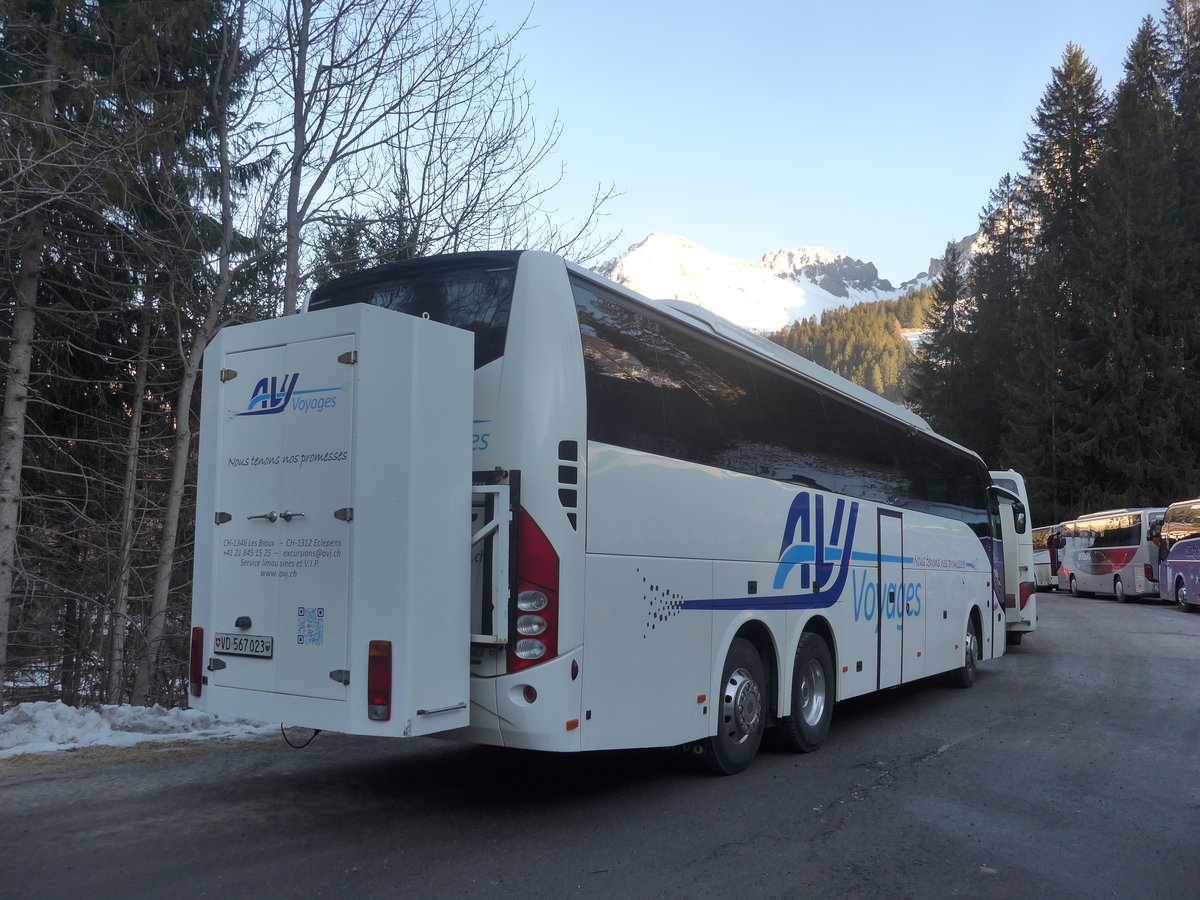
1074 587
1013 638
813 689
964 676
1119 589
741 711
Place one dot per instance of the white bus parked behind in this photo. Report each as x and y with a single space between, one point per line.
1020 587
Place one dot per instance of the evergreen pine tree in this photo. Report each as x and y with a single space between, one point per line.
1050 402
1182 32
1134 445
996 280
936 389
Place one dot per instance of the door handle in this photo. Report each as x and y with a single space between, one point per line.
287 515
270 517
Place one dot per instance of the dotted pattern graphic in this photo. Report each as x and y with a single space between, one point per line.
662 604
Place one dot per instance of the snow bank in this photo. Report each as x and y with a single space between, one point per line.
46 727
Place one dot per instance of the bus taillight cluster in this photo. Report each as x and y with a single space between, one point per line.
536 619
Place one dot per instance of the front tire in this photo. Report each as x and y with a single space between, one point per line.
741 711
1181 595
813 689
964 676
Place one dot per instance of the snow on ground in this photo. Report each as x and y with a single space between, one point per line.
47 727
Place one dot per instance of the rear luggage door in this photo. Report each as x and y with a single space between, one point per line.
280 589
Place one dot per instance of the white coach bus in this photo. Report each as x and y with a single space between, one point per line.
1020 587
661 531
1112 553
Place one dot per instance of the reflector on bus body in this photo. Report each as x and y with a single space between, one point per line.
196 662
379 681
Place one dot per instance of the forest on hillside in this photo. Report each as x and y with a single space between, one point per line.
864 343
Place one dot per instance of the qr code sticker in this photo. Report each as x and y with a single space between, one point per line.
310 625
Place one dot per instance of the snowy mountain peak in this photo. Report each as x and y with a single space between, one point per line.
785 286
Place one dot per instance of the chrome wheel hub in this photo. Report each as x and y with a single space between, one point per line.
812 693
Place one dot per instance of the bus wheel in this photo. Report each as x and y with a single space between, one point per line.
964 676
1181 595
1119 589
741 711
1074 587
813 688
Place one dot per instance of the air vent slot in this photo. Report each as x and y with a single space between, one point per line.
568 480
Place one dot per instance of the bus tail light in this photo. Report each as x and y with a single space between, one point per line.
379 681
535 619
1027 590
1151 575
196 662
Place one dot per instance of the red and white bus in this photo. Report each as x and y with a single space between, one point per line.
1111 553
497 498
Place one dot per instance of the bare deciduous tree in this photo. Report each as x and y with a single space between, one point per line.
415 109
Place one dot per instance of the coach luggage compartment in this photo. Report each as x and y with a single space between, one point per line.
333 503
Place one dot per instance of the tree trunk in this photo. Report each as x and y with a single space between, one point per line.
118 623
12 421
156 622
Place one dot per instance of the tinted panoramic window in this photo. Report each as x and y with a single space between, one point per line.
1121 531
946 482
620 354
795 436
710 411
658 387
866 452
477 298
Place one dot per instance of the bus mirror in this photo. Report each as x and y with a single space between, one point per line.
1020 518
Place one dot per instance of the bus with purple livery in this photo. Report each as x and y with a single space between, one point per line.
1179 555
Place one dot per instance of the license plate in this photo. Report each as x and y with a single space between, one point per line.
246 645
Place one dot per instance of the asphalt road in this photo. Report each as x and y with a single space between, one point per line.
1070 770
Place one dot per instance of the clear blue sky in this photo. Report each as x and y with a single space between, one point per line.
873 128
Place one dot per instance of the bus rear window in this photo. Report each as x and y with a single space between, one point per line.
477 298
